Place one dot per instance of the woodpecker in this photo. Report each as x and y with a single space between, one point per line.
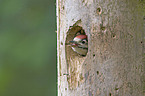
80 44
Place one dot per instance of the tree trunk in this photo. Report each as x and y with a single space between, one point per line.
114 64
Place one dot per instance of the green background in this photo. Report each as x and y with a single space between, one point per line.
27 48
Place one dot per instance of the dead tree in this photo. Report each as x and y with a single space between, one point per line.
114 64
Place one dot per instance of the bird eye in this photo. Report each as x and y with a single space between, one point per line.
84 41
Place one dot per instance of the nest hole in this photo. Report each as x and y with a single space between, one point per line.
74 60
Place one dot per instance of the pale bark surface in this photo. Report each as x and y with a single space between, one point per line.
114 65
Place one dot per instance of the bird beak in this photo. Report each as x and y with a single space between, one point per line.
73 43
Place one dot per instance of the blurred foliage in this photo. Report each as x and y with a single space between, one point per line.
27 48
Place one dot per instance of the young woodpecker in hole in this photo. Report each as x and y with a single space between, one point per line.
80 44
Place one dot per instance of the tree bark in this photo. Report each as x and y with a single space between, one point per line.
114 64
